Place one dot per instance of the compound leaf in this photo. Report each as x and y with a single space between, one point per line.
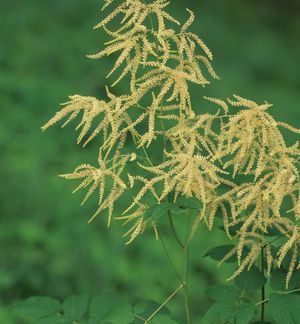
277 281
223 293
251 279
156 211
74 307
218 252
110 309
220 313
245 313
162 319
284 308
189 202
39 307
145 309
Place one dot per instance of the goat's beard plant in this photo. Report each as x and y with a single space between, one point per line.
233 162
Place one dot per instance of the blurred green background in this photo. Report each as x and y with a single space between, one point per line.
47 248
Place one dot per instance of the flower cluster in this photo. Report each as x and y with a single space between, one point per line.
239 146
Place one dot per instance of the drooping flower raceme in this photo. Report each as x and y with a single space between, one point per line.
233 160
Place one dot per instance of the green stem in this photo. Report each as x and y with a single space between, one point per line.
186 269
186 251
169 258
290 291
174 230
186 276
263 293
163 304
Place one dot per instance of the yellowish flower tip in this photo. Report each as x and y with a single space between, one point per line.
192 115
133 157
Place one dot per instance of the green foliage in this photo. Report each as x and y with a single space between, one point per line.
245 313
163 319
182 204
218 253
145 309
74 307
229 306
103 309
189 203
156 211
110 309
278 282
40 307
285 308
251 279
228 312
223 293
220 313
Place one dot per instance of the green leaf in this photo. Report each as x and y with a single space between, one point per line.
156 211
163 319
284 308
233 230
38 307
145 309
245 313
220 313
273 231
95 321
110 309
56 319
175 209
74 307
277 281
189 202
218 252
288 259
223 293
251 279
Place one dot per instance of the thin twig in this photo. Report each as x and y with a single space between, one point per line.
186 293
186 272
262 301
174 230
169 258
163 304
